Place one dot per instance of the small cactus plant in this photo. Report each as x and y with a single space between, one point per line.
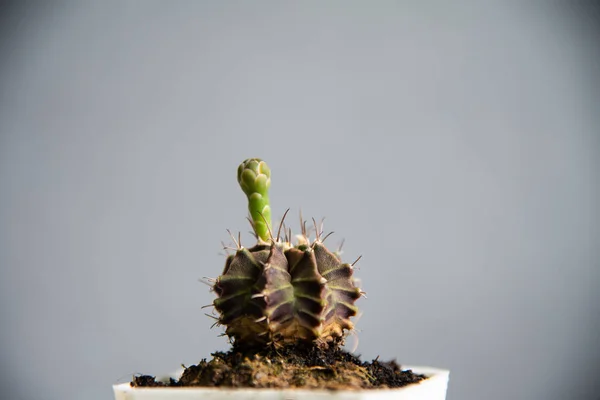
281 293
286 308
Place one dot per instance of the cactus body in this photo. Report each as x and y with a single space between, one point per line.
280 293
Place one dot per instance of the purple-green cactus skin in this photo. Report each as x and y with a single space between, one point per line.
282 293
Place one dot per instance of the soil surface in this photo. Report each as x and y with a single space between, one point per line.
289 367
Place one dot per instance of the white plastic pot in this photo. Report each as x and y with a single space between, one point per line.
432 388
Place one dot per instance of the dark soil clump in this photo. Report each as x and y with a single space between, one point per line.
290 367
150 381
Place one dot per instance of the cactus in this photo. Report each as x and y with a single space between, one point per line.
281 293
254 177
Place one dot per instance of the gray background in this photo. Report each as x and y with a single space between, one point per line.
454 145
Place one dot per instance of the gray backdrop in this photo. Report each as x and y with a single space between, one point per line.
454 145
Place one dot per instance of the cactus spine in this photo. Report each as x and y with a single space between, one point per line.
279 292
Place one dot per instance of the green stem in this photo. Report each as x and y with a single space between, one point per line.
254 177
